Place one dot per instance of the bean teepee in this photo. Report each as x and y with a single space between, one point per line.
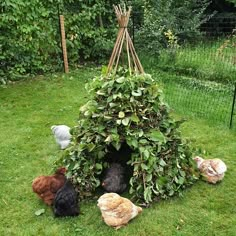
127 120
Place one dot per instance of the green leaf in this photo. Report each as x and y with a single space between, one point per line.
109 99
144 167
148 194
134 118
116 145
162 162
118 122
120 80
137 93
104 70
143 141
112 104
141 133
39 212
76 166
121 114
146 154
91 147
107 117
125 121
98 166
109 139
157 136
97 182
99 92
181 180
171 192
87 113
149 177
134 143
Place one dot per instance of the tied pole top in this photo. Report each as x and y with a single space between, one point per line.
124 44
122 16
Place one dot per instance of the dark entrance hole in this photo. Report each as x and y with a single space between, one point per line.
121 157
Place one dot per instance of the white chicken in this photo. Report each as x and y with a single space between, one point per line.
62 135
116 210
212 170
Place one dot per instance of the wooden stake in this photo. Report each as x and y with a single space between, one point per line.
123 40
63 44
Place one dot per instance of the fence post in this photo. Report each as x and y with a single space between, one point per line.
232 110
63 44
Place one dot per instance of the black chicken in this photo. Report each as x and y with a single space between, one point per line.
114 180
66 201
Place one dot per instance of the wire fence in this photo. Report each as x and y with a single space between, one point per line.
206 69
201 99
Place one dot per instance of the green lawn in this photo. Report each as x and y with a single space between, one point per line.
28 149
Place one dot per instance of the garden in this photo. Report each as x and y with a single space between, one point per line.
194 84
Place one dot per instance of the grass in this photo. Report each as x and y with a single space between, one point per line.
28 149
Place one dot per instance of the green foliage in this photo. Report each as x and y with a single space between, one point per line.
129 109
180 18
90 29
30 36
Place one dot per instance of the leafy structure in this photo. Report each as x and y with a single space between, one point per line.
129 110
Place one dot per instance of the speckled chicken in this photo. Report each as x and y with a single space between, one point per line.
46 187
212 170
116 210
114 179
62 135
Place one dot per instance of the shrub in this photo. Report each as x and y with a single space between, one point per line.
30 36
180 18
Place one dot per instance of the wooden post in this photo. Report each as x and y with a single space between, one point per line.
63 44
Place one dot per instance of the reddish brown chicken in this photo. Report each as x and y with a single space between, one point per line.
46 187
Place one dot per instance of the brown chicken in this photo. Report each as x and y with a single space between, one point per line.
212 170
117 211
46 187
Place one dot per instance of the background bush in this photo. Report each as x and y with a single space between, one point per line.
166 23
30 36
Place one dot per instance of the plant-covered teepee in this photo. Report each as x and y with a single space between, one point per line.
126 109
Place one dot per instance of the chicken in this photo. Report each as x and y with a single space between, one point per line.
46 187
66 201
117 211
212 170
114 179
62 135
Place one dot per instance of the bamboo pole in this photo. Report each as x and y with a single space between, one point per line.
123 40
63 44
